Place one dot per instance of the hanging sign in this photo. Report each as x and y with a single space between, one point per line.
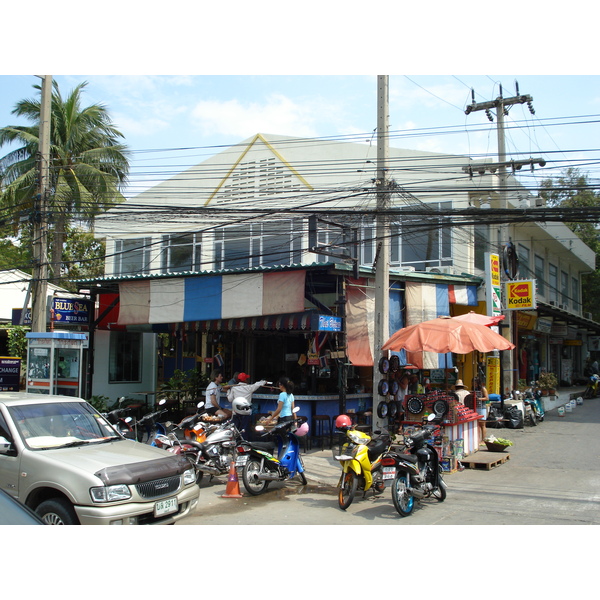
520 294
492 284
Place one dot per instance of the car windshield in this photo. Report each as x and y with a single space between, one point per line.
59 424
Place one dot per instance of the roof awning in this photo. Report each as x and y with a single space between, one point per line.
299 321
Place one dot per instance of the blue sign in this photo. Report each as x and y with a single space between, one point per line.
326 323
10 374
67 311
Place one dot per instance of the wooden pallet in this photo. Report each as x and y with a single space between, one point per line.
485 460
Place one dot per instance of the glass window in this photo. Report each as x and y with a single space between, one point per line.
524 263
575 293
125 357
552 282
564 288
132 256
482 245
181 253
540 275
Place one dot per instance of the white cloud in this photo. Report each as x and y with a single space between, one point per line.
277 114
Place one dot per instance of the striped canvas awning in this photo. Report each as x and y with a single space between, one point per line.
300 321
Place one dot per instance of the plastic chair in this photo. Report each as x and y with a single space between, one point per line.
322 429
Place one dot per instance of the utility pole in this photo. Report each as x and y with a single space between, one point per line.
40 223
382 271
501 104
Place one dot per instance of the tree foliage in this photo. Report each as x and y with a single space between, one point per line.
88 167
573 189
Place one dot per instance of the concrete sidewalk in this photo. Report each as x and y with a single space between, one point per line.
323 469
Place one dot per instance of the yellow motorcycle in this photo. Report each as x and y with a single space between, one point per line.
363 462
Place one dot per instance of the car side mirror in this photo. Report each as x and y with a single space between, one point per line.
6 447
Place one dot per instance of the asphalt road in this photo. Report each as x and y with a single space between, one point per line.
551 478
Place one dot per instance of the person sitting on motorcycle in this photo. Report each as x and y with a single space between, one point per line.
285 402
243 390
213 394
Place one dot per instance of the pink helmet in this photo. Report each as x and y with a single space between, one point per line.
302 430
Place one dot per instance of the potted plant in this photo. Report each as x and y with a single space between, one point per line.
547 382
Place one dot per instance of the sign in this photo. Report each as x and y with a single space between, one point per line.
71 310
326 323
526 320
492 374
520 294
544 324
492 284
313 359
10 374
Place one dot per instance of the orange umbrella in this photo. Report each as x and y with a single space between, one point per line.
473 317
447 334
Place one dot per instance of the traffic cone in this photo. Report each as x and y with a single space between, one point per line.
233 485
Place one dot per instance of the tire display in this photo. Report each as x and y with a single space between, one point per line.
414 405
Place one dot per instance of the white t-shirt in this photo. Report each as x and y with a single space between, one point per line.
212 390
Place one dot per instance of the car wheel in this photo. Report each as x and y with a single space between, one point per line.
57 511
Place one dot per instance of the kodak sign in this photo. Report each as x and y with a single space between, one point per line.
520 295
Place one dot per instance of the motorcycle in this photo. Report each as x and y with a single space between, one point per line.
119 419
362 461
418 474
591 391
277 460
149 424
533 402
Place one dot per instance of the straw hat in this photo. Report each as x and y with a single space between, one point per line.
459 384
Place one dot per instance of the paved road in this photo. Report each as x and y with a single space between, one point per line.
552 478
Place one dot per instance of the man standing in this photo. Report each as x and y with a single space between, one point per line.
240 396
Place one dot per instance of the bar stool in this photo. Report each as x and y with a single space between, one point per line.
322 429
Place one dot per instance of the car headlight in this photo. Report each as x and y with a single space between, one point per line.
189 476
111 493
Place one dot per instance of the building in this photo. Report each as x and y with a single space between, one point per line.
277 234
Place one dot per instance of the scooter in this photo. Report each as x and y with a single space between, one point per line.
118 417
361 459
533 400
278 460
591 391
149 424
418 474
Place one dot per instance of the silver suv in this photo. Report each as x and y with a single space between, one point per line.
61 458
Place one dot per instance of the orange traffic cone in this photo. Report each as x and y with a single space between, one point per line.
233 485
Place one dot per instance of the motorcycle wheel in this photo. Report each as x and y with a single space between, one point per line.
533 418
254 486
348 490
404 502
439 493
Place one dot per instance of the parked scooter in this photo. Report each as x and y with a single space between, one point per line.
361 459
418 474
533 400
119 419
591 391
150 425
278 460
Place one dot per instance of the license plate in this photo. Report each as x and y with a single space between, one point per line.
165 507
389 472
240 461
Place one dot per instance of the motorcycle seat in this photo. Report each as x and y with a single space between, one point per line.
264 446
408 458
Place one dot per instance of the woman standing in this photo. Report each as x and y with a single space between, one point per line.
285 402
481 399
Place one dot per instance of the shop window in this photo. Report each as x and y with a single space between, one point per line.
132 257
125 357
540 275
181 252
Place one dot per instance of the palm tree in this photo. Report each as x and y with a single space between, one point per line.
88 165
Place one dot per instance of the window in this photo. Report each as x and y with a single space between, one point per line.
181 252
524 264
575 293
564 288
482 245
552 283
132 257
259 244
125 357
540 274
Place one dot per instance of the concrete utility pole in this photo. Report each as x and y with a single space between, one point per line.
382 270
40 228
500 104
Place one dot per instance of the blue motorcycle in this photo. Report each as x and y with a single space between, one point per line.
276 460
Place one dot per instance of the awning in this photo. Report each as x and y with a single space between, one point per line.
299 321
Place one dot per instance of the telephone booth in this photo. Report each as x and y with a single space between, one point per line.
54 362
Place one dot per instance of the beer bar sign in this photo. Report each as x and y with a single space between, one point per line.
520 295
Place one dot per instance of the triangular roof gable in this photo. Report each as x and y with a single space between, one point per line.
258 138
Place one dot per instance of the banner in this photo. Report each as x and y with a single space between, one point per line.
492 374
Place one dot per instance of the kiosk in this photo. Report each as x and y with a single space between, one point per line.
54 362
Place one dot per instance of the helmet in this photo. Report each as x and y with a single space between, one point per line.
302 430
241 406
343 421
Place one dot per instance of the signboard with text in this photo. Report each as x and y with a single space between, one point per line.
10 373
520 295
492 284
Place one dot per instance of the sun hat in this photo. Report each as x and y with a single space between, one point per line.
459 383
